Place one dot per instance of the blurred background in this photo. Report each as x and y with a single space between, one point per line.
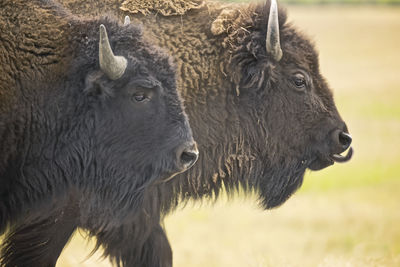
346 215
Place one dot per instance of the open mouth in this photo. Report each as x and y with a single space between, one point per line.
340 158
319 163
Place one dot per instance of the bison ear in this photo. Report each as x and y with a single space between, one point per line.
222 23
97 85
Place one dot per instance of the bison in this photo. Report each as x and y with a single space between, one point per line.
75 119
260 110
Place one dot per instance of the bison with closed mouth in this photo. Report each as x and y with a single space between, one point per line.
260 110
86 106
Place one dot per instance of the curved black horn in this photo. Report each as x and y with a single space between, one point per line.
273 43
113 66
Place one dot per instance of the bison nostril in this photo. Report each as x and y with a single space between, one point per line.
345 140
188 156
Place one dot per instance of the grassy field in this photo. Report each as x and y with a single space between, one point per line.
347 215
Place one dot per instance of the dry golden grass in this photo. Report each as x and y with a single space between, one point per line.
347 215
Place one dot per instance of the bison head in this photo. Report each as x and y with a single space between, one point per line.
121 124
141 90
286 110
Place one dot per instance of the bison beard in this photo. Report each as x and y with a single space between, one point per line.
256 128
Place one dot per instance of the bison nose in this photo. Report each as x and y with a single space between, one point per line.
345 140
187 155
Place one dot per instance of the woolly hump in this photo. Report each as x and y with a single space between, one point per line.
163 7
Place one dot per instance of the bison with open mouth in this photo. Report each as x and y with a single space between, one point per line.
260 110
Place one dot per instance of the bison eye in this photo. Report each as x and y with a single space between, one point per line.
139 97
299 81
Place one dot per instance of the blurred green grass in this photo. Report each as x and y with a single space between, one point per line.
346 215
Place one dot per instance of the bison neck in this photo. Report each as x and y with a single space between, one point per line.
36 108
211 101
234 149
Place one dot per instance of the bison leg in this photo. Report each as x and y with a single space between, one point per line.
130 246
38 241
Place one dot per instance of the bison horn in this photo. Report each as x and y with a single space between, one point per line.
273 44
113 66
127 20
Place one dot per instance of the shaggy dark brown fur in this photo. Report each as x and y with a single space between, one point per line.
258 125
69 131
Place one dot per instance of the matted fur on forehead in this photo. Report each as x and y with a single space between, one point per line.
125 41
248 63
243 32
